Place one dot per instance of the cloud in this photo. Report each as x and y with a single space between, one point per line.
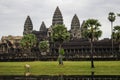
14 12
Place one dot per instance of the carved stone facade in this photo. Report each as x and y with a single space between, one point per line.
75 28
9 43
42 33
78 48
12 39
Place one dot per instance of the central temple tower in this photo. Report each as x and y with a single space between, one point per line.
57 17
56 20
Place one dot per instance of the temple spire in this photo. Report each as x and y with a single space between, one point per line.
57 17
43 26
28 26
83 29
75 28
75 24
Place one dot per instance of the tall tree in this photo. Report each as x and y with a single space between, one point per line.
111 18
60 35
92 32
116 37
118 14
119 32
28 41
116 33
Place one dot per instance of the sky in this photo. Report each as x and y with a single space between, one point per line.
14 12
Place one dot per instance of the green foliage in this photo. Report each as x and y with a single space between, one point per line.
61 51
111 17
118 14
92 29
116 33
44 46
60 34
28 41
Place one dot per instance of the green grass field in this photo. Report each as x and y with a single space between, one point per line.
69 68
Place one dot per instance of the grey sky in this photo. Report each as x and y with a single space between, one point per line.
14 12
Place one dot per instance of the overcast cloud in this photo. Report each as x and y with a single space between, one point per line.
14 12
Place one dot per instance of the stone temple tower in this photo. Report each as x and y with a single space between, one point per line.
83 29
57 17
75 28
28 26
43 27
57 20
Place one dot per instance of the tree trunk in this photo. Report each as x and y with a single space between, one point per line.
28 54
92 37
118 52
119 47
60 58
112 38
92 63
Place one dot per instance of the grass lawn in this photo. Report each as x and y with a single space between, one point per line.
69 68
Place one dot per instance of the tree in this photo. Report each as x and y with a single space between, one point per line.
92 32
60 35
28 41
116 33
118 30
111 18
116 36
43 46
92 29
118 14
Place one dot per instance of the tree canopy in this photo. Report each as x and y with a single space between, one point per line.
111 17
116 33
44 46
60 34
92 29
28 41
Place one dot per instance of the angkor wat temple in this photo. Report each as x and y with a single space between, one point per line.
78 48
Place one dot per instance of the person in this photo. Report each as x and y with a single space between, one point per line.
27 67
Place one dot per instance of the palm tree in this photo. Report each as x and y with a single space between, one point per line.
60 35
118 14
119 30
116 35
92 32
111 18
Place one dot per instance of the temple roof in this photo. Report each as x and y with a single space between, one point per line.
28 22
43 27
75 22
82 26
57 17
28 26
